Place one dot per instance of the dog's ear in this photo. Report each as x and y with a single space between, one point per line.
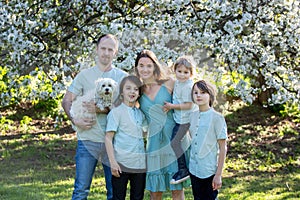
115 85
98 80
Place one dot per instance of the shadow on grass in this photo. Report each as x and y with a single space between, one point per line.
60 131
262 159
255 132
261 185
261 163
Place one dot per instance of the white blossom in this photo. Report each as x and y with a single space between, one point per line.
243 37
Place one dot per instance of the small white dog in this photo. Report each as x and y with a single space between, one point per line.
105 93
103 96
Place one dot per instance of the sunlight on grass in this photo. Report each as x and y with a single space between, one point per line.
263 187
262 162
38 190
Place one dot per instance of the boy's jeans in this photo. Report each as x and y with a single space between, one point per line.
87 155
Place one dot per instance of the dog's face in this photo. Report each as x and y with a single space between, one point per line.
105 87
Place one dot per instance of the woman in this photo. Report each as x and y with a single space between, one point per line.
161 160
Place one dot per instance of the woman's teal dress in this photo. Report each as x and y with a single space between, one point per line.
161 159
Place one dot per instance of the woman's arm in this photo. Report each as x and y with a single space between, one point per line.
170 85
115 168
217 181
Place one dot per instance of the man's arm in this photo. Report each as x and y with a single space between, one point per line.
66 104
105 111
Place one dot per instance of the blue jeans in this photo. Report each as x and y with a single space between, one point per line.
179 131
87 155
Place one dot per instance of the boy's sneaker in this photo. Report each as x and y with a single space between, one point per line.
180 176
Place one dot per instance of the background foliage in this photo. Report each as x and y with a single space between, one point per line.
250 48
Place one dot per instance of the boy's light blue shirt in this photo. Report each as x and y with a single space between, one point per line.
128 124
182 93
206 129
85 82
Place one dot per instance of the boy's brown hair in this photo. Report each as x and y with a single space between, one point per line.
186 61
206 87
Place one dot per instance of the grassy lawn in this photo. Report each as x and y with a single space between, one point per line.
37 161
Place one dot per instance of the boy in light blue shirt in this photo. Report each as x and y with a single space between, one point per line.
125 130
208 148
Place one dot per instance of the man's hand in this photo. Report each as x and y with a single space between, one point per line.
90 106
84 124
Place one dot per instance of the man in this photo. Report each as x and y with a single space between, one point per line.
91 132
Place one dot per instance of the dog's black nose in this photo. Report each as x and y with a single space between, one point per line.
106 89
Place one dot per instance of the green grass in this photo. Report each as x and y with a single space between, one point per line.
263 160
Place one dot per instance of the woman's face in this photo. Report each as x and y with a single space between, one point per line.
145 68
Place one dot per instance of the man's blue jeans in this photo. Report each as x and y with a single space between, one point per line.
87 155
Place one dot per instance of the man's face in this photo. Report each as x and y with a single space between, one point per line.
106 51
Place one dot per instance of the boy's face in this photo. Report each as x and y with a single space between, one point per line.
130 93
200 97
182 73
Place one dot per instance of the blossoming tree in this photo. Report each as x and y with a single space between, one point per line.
249 48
